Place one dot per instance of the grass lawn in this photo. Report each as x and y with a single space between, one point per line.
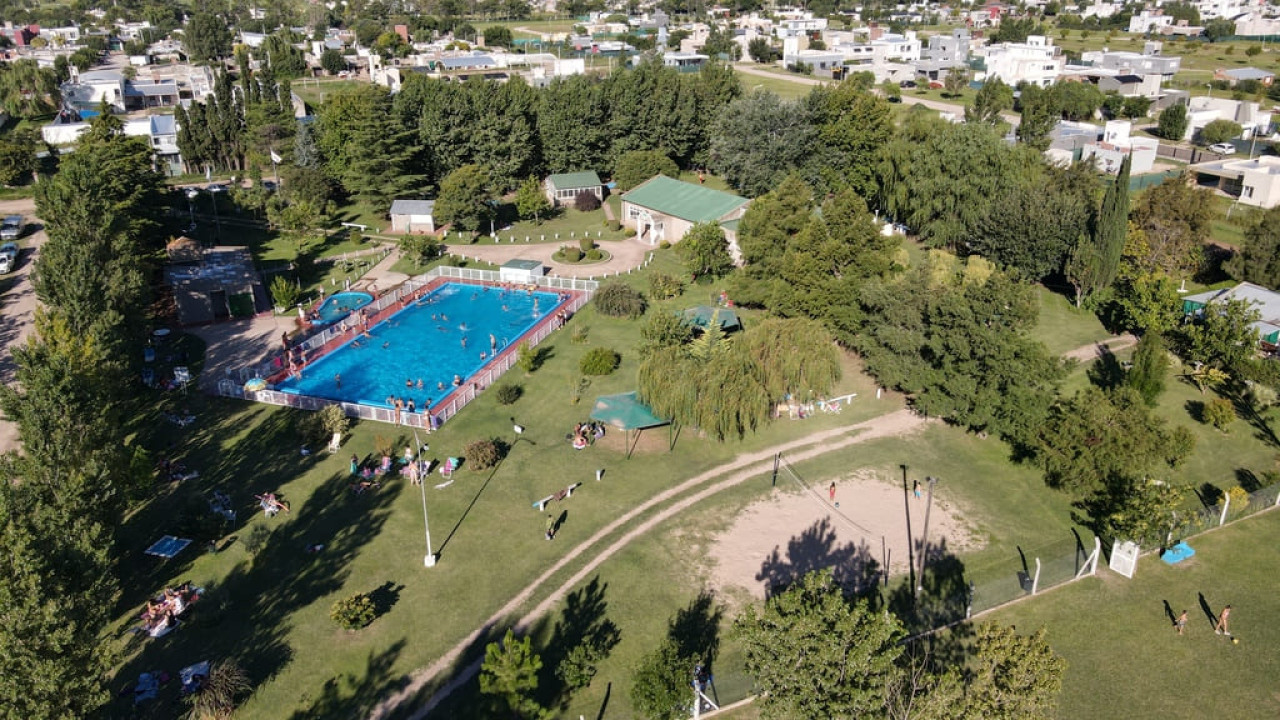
1124 658
314 90
1230 221
268 599
782 86
565 222
1062 326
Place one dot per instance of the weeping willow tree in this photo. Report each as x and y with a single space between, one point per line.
725 385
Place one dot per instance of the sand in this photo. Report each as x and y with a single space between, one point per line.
794 531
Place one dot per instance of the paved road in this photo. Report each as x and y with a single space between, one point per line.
17 303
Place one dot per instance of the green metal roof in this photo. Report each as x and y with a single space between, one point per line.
518 264
570 181
695 203
731 225
700 317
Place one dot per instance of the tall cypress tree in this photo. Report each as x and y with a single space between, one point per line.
1095 261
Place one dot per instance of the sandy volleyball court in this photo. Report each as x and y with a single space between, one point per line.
779 539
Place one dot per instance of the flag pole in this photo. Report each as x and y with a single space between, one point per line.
430 559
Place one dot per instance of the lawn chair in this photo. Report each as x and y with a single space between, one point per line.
450 464
335 443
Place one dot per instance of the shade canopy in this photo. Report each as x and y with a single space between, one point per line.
625 412
700 317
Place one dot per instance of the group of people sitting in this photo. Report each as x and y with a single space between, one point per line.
161 613
271 505
172 471
585 434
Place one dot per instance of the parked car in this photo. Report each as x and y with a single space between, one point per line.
11 227
1223 148
8 257
217 188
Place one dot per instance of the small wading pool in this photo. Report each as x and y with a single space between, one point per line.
434 340
340 306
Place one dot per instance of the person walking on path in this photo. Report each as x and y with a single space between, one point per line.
831 492
1221 628
915 488
1181 622
551 527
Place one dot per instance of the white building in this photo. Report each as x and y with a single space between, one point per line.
1254 182
796 27
943 53
1036 61
1115 144
824 63
1101 10
1149 22
1252 25
1211 9
892 47
1202 110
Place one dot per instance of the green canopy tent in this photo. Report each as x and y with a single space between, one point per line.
701 315
626 413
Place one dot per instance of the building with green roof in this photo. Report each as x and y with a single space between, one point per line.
562 188
665 209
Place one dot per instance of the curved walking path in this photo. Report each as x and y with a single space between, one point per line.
1095 350
897 423
624 255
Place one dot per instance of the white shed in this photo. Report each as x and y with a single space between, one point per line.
521 272
413 216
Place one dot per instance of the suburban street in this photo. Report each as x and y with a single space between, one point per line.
17 302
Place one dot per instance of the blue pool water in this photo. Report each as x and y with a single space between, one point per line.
418 342
341 305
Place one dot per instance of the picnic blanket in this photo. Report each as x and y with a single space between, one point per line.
168 546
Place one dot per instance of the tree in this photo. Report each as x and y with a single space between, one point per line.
760 50
813 653
498 36
1219 28
796 356
419 247
531 200
333 61
282 58
1095 261
1016 30
1172 124
1076 101
379 158
510 672
992 99
661 683
1258 261
705 251
1223 338
1098 435
1039 115
1174 218
207 37
1150 366
17 158
466 198
1011 676
1220 131
1034 226
637 166
853 124
955 82
27 90
1136 106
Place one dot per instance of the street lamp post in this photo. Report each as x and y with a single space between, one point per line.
924 541
430 559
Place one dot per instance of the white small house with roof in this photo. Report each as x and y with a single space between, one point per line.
413 216
521 272
563 188
663 209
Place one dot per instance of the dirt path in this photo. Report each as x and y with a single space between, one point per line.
897 423
17 303
1095 350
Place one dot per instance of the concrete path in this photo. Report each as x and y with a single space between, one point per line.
624 255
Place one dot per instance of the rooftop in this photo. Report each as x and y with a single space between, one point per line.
519 264
583 179
695 203
412 207
1248 73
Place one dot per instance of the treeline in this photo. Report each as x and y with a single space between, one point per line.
239 124
65 492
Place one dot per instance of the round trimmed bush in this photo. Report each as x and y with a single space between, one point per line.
664 286
617 299
585 243
570 254
599 361
664 245
353 613
629 232
593 255
508 393
614 225
483 454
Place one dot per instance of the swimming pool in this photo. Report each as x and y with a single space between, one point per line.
434 339
341 305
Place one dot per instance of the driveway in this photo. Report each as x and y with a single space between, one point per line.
17 302
624 255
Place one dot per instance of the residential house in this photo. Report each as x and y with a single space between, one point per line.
1230 9
1036 62
1238 75
1131 74
684 61
1260 299
664 210
20 35
1116 143
1203 109
1254 25
943 53
1149 21
413 216
1253 182
806 25
823 63
161 134
564 188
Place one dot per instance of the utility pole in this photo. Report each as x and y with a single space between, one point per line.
924 542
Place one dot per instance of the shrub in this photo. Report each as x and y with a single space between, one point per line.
570 254
617 299
527 358
508 393
284 292
664 286
579 335
586 201
1219 412
332 420
483 454
354 612
629 232
1239 500
220 693
614 225
599 361
664 245
593 254
586 244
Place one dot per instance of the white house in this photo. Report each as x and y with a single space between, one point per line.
90 89
1254 182
943 53
1149 22
1116 143
795 27
413 216
896 48
1202 110
824 63
563 188
1036 61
